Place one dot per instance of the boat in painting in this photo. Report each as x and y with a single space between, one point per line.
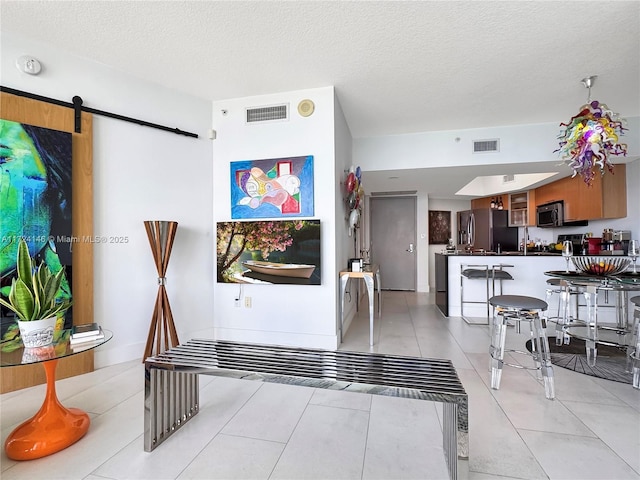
280 269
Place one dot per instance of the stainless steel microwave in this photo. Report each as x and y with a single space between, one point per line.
550 215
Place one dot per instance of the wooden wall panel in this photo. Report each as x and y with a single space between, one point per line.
41 114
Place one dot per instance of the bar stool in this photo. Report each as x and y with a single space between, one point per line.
520 308
557 286
633 349
479 272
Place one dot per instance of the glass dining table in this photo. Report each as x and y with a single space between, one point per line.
54 427
619 334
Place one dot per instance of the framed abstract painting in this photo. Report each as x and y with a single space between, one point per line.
273 188
36 201
439 227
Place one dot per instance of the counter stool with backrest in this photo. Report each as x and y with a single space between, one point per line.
487 273
519 308
633 349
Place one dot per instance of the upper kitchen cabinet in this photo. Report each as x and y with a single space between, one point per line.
485 202
554 191
522 209
605 198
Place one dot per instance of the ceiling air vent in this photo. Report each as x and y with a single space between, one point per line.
393 194
267 114
485 146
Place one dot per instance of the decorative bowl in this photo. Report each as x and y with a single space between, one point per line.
603 266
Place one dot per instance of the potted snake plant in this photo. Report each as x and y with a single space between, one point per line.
33 297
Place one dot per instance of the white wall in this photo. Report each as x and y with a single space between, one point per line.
282 314
518 144
344 243
139 174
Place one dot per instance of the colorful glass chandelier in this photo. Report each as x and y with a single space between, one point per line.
590 137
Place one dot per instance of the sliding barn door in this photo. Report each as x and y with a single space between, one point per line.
41 114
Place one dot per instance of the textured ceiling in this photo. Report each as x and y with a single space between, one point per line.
398 67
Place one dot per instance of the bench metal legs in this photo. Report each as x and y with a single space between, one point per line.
170 399
455 442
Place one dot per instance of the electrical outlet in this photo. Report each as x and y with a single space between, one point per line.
247 302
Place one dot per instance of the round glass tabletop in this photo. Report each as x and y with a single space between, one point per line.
622 281
611 336
13 353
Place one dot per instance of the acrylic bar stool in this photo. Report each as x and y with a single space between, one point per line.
486 273
633 349
520 308
565 291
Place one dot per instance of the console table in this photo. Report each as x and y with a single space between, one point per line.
54 427
367 274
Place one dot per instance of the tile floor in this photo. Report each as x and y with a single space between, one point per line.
250 430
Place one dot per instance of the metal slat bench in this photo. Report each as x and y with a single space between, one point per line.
171 383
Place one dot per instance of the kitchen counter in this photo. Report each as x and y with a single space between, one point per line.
521 254
528 273
503 254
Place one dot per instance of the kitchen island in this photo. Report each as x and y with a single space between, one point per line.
528 273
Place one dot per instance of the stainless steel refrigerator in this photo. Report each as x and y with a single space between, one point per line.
485 228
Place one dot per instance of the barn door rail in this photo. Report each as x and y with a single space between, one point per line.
78 108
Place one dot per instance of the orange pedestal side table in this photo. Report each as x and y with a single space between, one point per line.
54 427
50 430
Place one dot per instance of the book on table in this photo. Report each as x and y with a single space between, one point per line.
85 330
87 338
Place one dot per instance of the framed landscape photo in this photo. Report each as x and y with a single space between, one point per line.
268 252
439 227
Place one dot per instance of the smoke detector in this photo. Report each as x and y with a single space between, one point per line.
28 64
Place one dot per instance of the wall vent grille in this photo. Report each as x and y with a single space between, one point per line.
394 194
486 146
267 114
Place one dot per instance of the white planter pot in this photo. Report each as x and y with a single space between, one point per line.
37 333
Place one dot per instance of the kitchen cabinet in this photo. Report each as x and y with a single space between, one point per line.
522 209
553 192
605 198
485 202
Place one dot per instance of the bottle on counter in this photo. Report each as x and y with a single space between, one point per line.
500 207
498 249
493 202
451 247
